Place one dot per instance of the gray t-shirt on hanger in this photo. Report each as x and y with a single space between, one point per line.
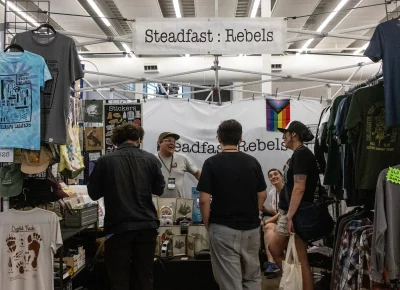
59 52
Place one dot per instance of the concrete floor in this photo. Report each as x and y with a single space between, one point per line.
270 284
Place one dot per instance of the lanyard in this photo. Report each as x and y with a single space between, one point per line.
170 168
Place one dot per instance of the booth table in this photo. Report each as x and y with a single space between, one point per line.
182 273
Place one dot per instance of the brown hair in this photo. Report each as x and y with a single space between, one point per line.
126 132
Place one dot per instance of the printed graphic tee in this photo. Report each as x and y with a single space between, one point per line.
178 166
22 77
62 59
384 45
378 146
29 240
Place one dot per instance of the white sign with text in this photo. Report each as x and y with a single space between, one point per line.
197 124
209 36
6 155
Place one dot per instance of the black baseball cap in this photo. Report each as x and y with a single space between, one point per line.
300 129
168 134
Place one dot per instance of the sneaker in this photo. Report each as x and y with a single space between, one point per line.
272 268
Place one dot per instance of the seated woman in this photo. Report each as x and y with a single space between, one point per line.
272 214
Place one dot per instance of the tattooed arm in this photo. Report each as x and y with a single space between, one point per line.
297 195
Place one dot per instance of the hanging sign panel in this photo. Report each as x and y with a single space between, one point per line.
209 36
116 115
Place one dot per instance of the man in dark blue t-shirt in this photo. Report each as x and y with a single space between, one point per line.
236 183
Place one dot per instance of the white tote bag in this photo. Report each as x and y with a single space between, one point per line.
291 278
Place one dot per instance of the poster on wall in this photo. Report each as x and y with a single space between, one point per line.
116 115
93 138
93 111
90 159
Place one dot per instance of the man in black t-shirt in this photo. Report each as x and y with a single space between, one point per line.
236 183
301 183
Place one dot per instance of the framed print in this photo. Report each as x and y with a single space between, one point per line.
158 246
167 206
201 239
168 232
179 245
94 138
190 246
184 208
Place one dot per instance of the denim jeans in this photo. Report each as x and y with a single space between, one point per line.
234 258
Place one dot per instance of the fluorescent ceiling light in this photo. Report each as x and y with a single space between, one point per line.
177 8
126 47
304 47
325 23
23 14
187 55
256 4
364 47
332 15
99 12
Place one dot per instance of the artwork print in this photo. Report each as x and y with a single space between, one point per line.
184 208
200 235
166 204
179 245
93 138
93 111
190 246
23 244
15 100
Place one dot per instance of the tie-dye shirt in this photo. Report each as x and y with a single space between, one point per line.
22 77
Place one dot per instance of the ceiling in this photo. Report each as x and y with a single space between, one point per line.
131 9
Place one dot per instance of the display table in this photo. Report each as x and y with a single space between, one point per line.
179 274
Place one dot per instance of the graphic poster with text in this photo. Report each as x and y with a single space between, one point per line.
116 115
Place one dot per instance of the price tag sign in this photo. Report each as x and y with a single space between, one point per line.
6 155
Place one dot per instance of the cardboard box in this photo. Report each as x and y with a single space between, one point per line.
72 262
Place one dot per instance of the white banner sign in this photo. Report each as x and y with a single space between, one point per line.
197 125
209 36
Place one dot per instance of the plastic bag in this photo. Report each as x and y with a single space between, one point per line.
291 278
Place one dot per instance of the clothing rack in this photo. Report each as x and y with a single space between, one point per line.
367 82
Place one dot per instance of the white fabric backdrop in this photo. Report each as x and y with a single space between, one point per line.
197 123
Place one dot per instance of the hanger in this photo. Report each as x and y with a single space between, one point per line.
45 25
14 45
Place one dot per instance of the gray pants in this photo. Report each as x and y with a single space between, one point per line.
234 258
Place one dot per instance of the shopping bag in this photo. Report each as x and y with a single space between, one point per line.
291 278
71 161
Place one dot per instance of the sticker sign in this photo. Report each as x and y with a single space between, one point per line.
6 155
261 35
116 115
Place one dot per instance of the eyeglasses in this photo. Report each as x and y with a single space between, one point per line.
169 140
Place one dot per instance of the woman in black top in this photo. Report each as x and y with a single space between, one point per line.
301 183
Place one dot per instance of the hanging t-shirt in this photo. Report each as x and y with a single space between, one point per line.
61 57
378 146
29 239
384 45
175 168
22 77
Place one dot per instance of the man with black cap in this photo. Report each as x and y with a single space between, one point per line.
301 183
174 165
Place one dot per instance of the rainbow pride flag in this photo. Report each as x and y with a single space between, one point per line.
278 114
